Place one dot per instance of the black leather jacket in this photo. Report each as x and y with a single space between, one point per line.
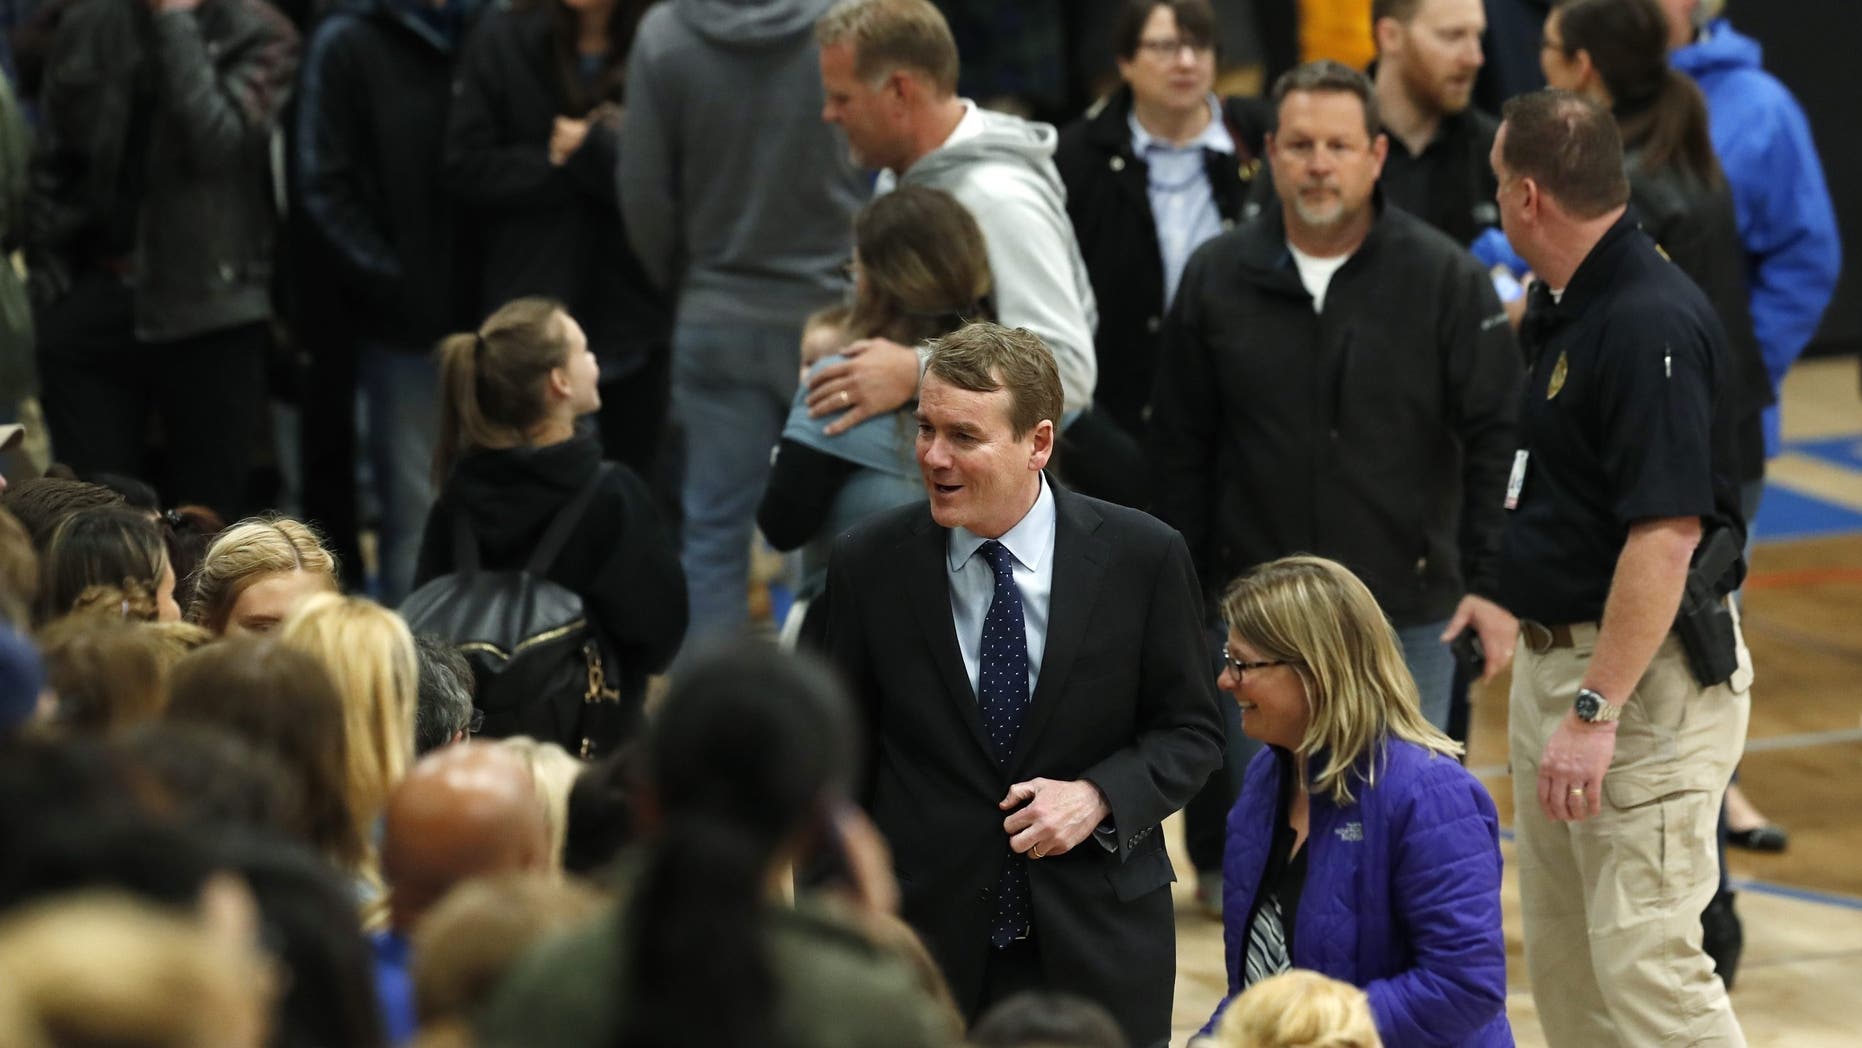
154 158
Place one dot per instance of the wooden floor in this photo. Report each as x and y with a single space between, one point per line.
1801 980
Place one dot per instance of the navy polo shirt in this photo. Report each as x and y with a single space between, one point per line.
1621 421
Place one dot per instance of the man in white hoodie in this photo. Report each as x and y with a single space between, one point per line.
889 73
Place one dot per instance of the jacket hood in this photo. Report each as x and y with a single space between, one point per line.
441 27
1720 49
509 493
750 23
1003 139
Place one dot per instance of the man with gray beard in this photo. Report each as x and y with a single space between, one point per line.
1339 378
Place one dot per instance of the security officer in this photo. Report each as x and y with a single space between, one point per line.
1619 752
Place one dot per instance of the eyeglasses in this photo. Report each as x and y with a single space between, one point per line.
1241 668
1167 48
476 723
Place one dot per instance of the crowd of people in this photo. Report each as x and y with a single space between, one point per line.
1201 454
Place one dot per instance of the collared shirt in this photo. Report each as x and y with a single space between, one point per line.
1617 425
973 583
1182 201
969 127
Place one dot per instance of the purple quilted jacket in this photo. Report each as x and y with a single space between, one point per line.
1402 895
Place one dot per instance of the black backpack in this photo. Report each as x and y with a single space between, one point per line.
539 665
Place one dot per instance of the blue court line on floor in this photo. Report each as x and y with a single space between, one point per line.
1841 451
1786 513
1782 891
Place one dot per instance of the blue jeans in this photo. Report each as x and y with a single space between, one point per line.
1433 666
731 389
401 394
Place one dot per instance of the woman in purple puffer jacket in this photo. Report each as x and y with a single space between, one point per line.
1359 848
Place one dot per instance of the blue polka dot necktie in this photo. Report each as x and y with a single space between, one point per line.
1002 691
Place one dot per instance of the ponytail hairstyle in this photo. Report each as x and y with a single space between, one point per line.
1662 114
748 752
924 271
492 380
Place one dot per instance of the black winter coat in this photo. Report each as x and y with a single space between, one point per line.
154 158
1109 202
1378 433
1695 225
371 128
546 230
620 558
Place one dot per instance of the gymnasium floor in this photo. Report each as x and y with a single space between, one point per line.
1800 983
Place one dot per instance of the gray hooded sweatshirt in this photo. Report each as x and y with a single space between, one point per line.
1005 176
735 193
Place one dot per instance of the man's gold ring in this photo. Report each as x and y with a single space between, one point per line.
1577 791
1037 853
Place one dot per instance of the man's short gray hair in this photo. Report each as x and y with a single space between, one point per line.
444 706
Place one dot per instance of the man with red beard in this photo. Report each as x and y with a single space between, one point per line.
1428 53
1339 378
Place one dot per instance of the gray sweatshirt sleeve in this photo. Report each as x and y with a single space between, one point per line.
648 173
1040 280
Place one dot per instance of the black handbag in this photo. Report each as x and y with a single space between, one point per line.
539 666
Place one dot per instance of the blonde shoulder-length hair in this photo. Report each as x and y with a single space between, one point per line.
1315 614
370 656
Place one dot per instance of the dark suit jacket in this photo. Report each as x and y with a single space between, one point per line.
1125 699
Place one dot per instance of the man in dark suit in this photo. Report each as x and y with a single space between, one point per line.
1037 693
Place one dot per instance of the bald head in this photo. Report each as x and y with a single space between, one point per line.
464 811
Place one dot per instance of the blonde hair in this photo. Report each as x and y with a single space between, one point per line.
469 940
554 770
1299 1009
1317 615
370 655
491 380
174 640
247 552
893 34
107 969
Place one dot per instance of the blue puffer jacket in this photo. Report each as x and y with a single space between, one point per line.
1402 895
1793 250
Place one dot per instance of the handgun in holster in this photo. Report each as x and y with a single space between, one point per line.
1705 623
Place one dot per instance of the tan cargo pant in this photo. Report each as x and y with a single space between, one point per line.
1612 904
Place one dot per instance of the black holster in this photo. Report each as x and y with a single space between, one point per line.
1705 623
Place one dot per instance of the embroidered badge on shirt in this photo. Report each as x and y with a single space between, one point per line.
1559 370
1351 831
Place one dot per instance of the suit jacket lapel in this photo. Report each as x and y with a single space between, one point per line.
1079 565
929 577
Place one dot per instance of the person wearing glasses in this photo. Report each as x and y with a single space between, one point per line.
1360 848
1156 169
1338 377
1159 168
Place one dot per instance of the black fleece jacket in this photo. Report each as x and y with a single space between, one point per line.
1378 433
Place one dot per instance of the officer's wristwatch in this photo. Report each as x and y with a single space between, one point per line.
1592 708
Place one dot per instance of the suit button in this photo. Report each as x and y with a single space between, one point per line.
1118 163
1154 325
1228 223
